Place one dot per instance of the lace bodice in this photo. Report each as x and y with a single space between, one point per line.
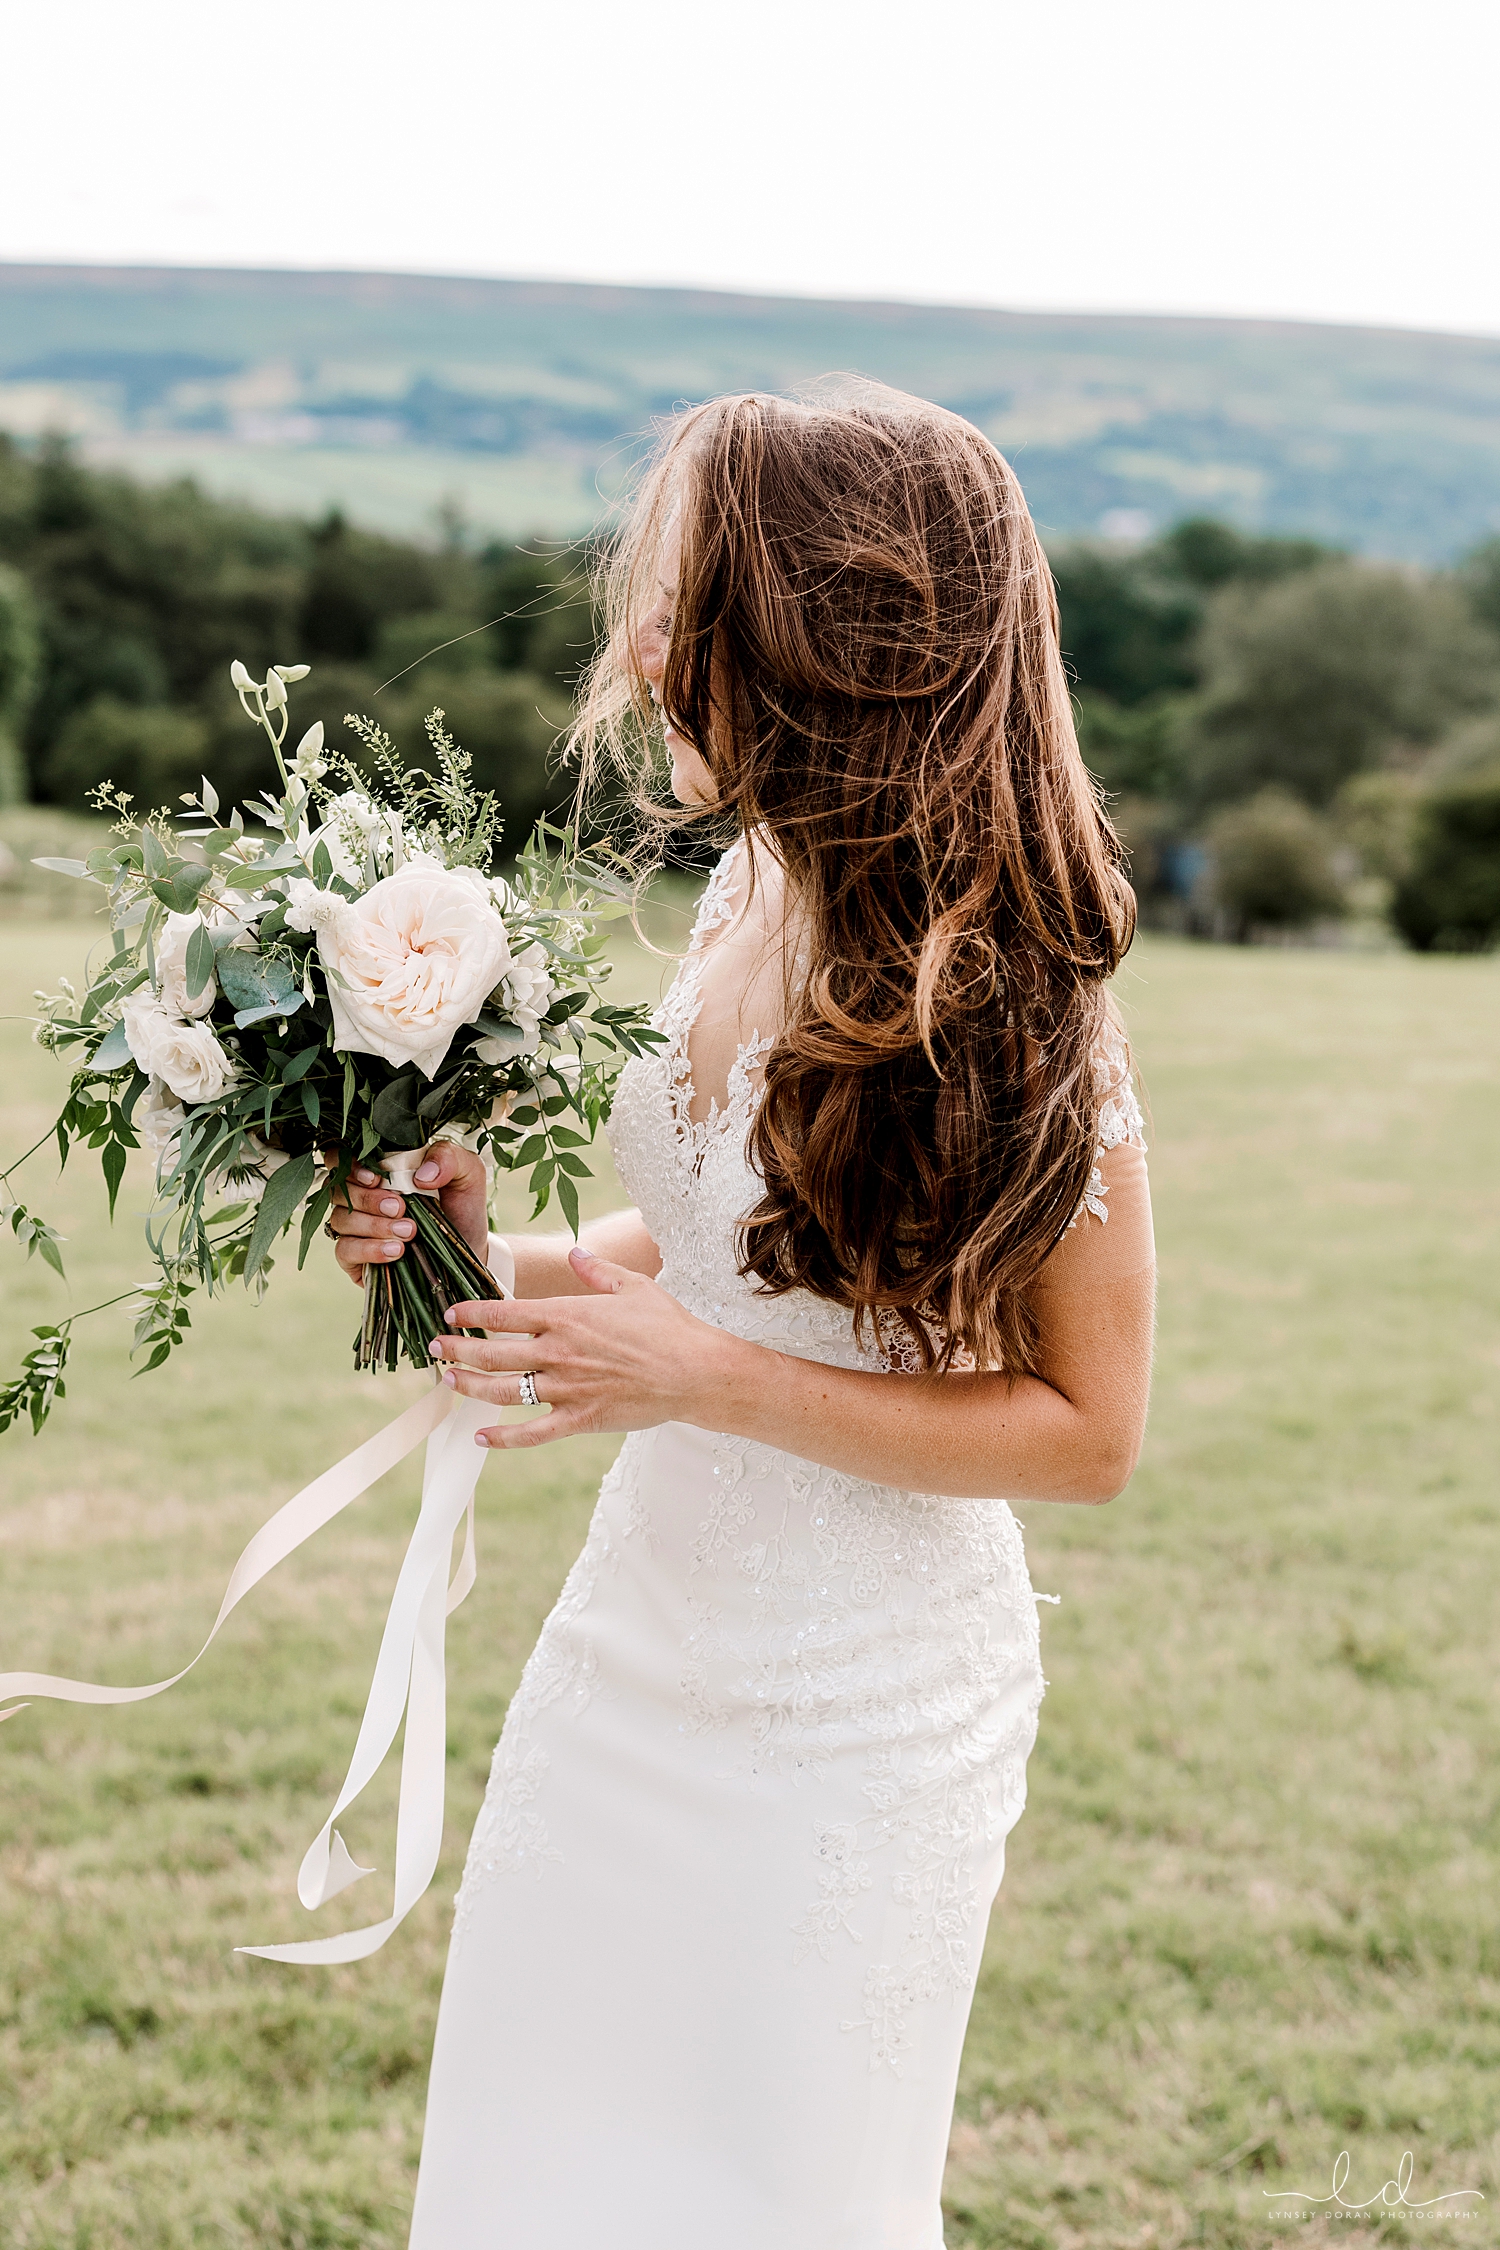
694 1183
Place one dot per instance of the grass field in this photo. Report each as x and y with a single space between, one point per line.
1249 1920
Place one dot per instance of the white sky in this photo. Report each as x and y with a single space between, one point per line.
1321 159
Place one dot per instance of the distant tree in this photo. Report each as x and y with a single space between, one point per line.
1273 864
1479 576
1136 750
1127 628
20 660
357 581
1375 815
541 601
1208 554
1323 674
1449 900
153 751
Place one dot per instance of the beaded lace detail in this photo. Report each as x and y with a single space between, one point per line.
831 1627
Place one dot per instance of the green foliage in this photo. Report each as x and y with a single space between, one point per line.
20 661
1272 864
1135 750
1324 674
155 751
1449 898
1130 616
121 607
1479 576
1375 814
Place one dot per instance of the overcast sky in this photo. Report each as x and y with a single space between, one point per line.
1322 159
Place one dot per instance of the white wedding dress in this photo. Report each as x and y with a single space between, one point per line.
723 1909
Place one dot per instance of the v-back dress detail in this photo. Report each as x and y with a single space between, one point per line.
722 1915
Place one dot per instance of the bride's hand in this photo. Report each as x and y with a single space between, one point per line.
372 1226
624 1357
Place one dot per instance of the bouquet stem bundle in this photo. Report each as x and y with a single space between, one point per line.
405 1301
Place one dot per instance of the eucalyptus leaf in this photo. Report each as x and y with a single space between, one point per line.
246 1016
199 965
63 866
113 1050
252 980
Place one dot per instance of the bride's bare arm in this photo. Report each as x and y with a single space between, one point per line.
628 1356
372 1225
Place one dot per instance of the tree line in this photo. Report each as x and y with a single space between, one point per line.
1285 731
1280 729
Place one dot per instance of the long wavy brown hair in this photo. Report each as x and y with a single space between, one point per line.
864 651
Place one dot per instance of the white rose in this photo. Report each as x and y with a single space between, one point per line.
527 991
411 961
171 968
246 1182
186 1055
352 819
308 908
158 1120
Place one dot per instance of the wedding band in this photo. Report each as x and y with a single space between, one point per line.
330 1230
528 1389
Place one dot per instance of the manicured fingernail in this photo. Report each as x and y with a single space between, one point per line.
436 1347
390 1207
450 1378
451 1316
481 1437
426 1172
404 1227
390 1249
368 1179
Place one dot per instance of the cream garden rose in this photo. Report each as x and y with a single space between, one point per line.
185 1056
411 961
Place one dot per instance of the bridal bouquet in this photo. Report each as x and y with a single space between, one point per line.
339 985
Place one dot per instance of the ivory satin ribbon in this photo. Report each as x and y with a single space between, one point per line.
409 1671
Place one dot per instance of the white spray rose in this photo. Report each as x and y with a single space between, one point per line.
527 991
352 819
246 1183
411 961
310 909
158 1120
185 1055
171 968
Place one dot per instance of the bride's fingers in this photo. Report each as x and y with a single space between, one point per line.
542 1429
501 1355
500 1390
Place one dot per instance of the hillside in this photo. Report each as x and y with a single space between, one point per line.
518 402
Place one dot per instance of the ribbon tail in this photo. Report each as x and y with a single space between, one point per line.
306 1512
467 1573
409 1678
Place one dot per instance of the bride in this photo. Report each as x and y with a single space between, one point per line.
890 1259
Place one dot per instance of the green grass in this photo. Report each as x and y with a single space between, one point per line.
1249 1917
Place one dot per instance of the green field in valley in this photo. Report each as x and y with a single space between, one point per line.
1248 1921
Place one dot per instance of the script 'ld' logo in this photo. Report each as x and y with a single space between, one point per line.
1391 2196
